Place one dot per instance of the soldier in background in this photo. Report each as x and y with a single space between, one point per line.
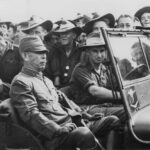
126 22
106 21
143 15
38 26
67 55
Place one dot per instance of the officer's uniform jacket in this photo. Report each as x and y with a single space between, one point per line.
37 103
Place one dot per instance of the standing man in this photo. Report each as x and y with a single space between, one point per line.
105 21
67 55
126 22
12 32
10 64
143 15
38 26
4 26
78 20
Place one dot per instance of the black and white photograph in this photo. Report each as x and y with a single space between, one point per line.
74 75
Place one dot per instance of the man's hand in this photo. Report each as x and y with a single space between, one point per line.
93 117
69 127
96 116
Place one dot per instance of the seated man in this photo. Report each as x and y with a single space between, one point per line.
137 54
38 103
139 68
90 81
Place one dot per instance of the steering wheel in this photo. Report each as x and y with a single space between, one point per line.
137 72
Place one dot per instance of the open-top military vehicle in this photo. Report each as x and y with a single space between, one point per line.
129 57
129 60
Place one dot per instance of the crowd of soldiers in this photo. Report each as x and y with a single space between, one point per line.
70 53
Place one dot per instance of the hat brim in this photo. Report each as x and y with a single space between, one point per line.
83 47
88 27
48 25
78 18
6 22
40 51
77 30
141 11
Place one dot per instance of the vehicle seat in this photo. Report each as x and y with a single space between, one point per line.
6 108
12 135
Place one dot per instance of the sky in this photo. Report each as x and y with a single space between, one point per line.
20 10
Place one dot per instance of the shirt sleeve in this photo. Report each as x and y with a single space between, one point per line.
83 77
26 105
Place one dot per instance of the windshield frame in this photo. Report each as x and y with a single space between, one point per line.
137 37
122 87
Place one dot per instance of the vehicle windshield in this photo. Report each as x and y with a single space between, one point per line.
132 55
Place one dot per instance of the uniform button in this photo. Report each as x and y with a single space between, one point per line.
67 67
65 74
